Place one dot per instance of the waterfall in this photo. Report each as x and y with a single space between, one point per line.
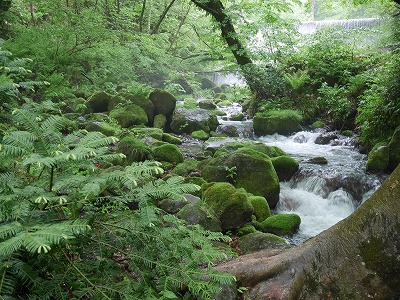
311 27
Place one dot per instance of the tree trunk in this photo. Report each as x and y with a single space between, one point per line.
142 16
358 258
162 17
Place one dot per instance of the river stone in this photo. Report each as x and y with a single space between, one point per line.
169 153
200 135
282 224
172 206
394 150
281 122
285 167
231 205
160 121
164 102
98 102
228 130
207 104
325 138
103 127
189 120
172 139
261 207
197 213
248 169
124 99
319 160
129 115
259 241
378 159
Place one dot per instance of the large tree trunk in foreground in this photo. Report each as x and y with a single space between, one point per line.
358 258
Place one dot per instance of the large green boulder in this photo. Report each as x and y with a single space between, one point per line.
282 224
160 121
207 104
129 115
98 102
200 135
277 121
124 99
378 159
261 207
169 153
394 150
169 138
104 127
259 241
134 149
285 167
231 205
146 132
186 167
248 169
189 120
164 102
198 213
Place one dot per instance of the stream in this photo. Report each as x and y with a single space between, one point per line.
321 194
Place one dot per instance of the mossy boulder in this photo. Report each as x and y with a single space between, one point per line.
189 120
282 224
146 132
228 130
285 167
237 117
207 84
169 138
198 213
319 160
98 102
248 169
190 103
271 151
394 150
129 115
259 241
277 121
318 124
164 102
231 205
261 207
169 153
160 121
172 206
134 149
246 229
104 127
186 167
200 135
207 104
378 159
125 99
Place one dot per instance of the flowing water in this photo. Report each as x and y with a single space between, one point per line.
321 194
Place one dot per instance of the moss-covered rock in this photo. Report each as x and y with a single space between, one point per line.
169 138
160 121
347 133
104 127
190 103
282 224
172 206
134 150
164 102
259 241
200 135
231 205
378 159
207 104
394 150
129 115
318 124
98 102
246 229
237 117
271 151
169 153
124 99
207 84
319 160
285 167
198 213
277 121
248 169
189 120
261 207
145 132
186 167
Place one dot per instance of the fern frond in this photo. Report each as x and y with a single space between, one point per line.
30 85
7 181
18 143
145 169
10 229
54 124
95 139
13 208
27 120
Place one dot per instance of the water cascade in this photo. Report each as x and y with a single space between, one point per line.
312 26
321 194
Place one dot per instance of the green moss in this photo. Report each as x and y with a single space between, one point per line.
169 138
246 229
200 134
225 103
277 121
261 207
282 224
190 103
155 133
318 124
186 167
347 133
259 241
237 117
394 150
129 115
134 149
163 101
160 121
169 153
98 102
378 159
285 167
387 267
